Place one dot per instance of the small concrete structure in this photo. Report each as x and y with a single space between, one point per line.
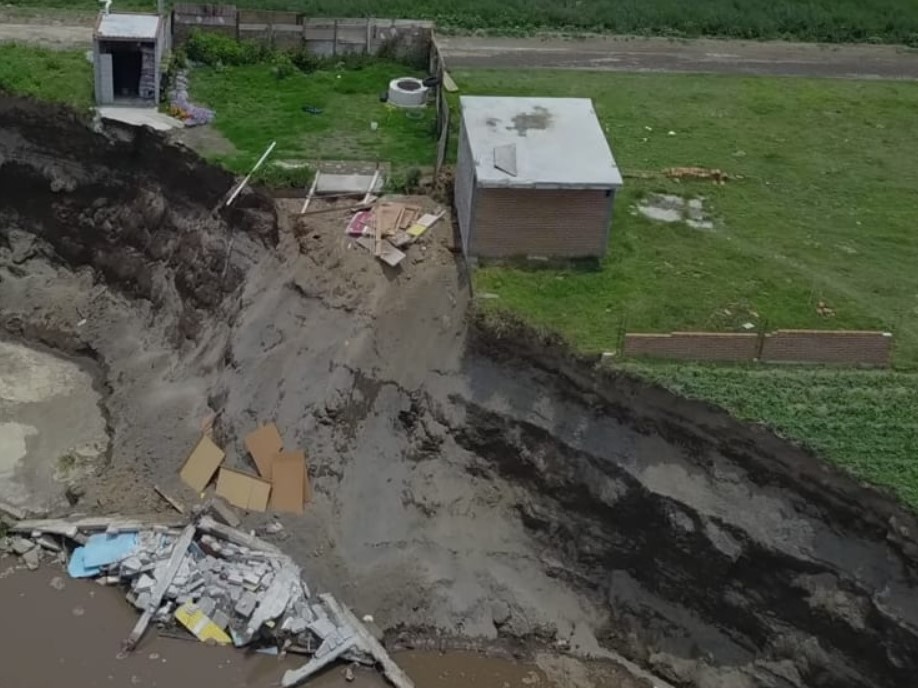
128 51
535 177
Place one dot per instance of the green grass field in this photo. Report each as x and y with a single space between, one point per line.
865 421
64 77
254 107
891 21
823 212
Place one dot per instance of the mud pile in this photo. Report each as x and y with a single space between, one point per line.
470 482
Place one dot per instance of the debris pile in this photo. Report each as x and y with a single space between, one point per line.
182 108
219 584
388 227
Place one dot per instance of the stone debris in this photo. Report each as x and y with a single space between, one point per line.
218 584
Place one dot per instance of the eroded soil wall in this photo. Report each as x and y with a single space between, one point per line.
470 481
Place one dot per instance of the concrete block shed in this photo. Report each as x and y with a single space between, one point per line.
535 177
128 50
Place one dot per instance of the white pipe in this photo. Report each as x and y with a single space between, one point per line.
249 175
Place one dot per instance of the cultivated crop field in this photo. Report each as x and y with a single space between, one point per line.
832 21
865 421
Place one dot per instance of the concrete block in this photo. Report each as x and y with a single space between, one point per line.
220 619
207 606
143 583
32 558
246 604
20 545
143 600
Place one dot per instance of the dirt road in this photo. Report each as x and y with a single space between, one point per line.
61 37
627 54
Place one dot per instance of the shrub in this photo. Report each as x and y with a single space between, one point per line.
216 49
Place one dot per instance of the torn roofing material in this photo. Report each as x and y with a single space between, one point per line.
558 143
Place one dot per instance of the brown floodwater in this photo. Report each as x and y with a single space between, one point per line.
70 636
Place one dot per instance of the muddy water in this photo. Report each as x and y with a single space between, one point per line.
70 637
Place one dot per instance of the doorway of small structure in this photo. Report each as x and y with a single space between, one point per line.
126 68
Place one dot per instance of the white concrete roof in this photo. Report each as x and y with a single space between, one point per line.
141 27
558 142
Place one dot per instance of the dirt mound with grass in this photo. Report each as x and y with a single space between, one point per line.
473 481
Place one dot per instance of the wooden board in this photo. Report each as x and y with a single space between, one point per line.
264 444
288 482
387 215
389 254
201 464
243 490
408 216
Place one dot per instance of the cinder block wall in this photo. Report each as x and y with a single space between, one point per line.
693 346
827 346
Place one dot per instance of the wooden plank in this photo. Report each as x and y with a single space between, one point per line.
389 255
372 187
312 191
288 483
264 444
201 464
243 490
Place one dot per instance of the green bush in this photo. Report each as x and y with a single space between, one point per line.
279 177
215 49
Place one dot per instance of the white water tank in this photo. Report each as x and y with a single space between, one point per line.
408 92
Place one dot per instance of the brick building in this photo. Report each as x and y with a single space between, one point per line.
535 177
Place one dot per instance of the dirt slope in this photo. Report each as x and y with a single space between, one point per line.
469 482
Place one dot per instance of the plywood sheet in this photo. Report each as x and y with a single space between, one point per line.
288 482
201 464
243 490
387 215
264 444
389 254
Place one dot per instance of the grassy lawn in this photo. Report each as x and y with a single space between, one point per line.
892 21
865 421
58 76
254 107
824 211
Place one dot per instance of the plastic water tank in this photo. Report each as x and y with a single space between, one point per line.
408 92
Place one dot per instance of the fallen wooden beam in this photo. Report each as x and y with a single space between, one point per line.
348 209
312 191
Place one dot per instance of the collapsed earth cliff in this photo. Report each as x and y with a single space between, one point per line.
470 481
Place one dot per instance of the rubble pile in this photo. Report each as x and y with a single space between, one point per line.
221 585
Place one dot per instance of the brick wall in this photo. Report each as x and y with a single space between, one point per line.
844 347
693 346
826 346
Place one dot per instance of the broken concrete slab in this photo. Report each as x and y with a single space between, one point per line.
223 511
32 558
355 184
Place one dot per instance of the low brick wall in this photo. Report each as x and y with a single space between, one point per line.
842 347
827 346
693 346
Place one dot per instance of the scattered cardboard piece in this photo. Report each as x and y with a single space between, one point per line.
288 483
264 444
387 215
424 223
243 490
201 464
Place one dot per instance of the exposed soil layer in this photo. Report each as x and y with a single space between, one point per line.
472 480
